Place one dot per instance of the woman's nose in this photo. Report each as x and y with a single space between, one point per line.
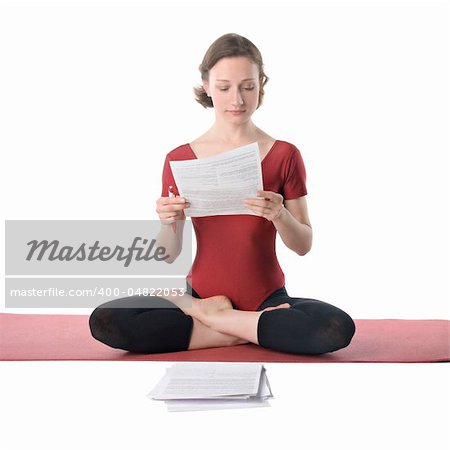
237 98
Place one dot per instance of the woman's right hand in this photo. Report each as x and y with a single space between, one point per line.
170 209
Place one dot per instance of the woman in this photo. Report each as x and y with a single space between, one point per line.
236 282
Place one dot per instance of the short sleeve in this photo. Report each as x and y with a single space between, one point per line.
167 179
295 181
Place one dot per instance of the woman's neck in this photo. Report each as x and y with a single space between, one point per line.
234 134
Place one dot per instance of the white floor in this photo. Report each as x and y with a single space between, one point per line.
103 405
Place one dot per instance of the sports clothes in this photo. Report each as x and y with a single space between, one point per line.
236 253
153 325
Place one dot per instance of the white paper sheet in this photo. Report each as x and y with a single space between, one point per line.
208 380
218 185
208 386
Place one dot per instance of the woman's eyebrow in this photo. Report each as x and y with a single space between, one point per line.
246 79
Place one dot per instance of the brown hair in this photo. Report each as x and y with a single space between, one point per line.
229 45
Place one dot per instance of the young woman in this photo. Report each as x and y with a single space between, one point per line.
237 285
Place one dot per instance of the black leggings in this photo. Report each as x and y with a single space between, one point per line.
143 324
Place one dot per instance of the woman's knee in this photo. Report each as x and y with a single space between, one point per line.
340 330
334 328
141 325
104 326
114 322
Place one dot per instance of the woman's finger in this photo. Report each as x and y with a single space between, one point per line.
261 205
176 207
171 200
261 209
164 208
270 196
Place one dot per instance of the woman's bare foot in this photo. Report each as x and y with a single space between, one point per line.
282 306
201 308
204 308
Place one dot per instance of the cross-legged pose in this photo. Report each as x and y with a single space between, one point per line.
236 292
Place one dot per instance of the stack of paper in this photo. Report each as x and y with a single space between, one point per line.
205 386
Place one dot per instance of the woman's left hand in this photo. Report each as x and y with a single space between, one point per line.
270 205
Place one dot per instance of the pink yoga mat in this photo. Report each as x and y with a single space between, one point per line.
67 337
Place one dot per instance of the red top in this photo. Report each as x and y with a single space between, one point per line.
236 253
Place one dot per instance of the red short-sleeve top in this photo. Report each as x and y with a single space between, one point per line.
236 253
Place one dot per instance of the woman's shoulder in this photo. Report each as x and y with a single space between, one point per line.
181 152
287 147
286 144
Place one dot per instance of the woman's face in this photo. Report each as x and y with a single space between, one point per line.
234 88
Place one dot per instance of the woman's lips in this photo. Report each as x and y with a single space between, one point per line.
237 112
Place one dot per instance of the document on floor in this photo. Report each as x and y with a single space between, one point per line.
207 386
218 185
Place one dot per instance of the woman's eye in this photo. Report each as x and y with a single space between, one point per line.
250 88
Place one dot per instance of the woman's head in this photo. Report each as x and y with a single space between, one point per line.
240 49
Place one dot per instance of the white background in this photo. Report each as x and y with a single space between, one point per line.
94 94
104 405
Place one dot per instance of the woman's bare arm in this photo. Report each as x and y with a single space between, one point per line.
294 226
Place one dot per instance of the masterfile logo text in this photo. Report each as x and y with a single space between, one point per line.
83 263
